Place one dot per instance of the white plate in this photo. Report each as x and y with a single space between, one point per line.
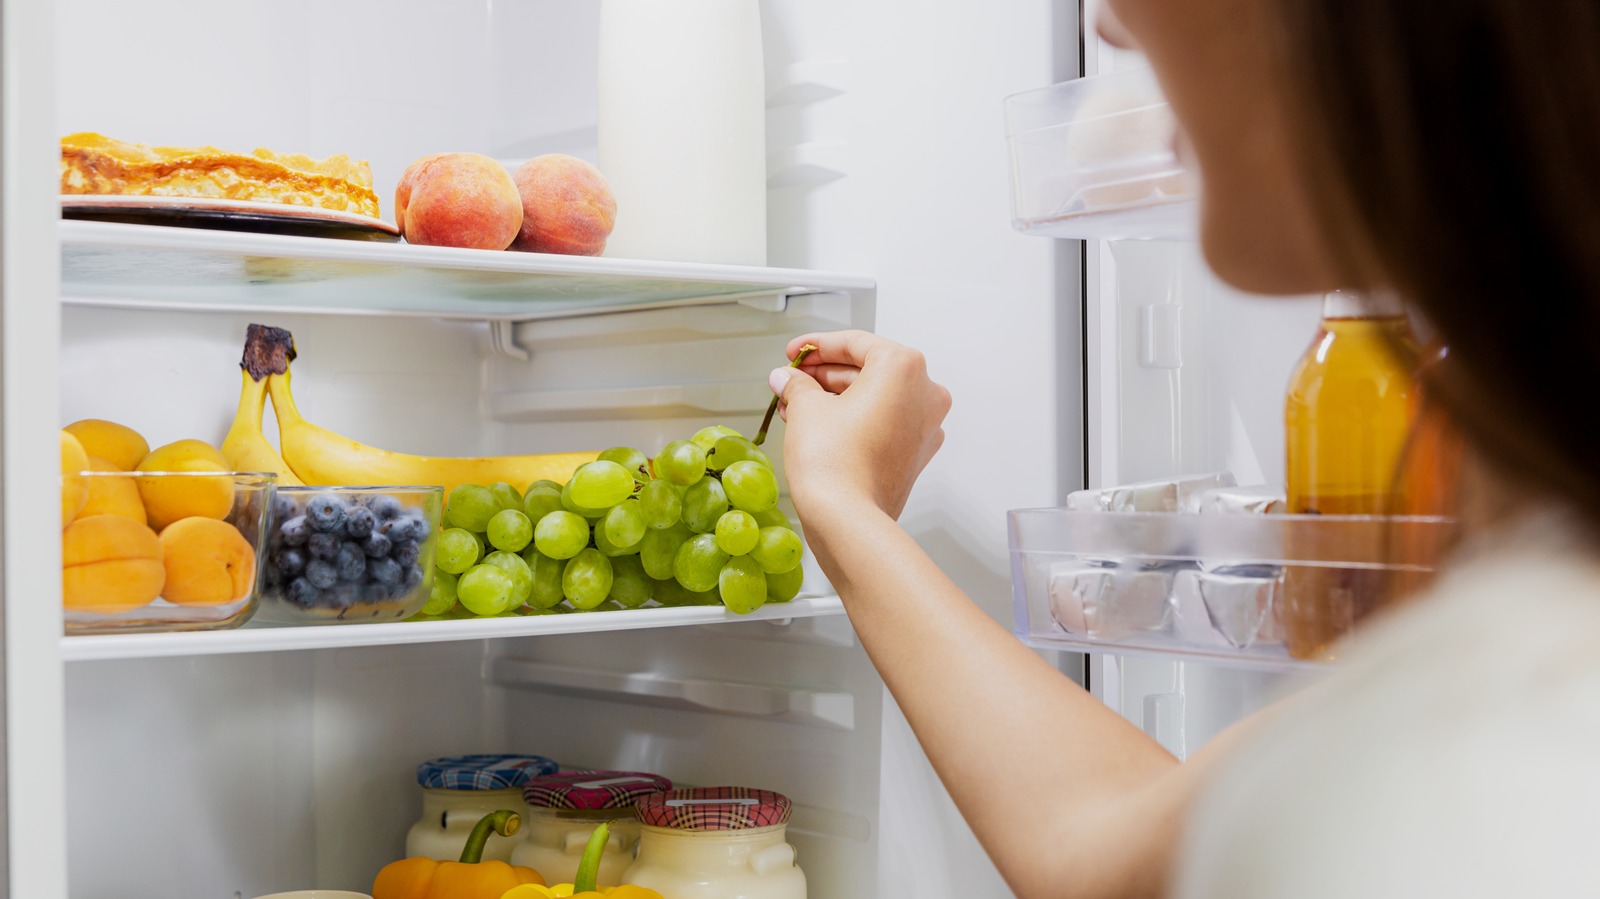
233 215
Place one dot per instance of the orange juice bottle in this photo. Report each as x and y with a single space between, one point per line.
1347 417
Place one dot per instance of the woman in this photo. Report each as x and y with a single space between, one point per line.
1447 151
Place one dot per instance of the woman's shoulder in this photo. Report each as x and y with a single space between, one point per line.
1455 751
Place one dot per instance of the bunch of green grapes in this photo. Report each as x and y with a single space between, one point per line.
697 525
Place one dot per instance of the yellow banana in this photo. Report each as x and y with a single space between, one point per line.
246 448
321 457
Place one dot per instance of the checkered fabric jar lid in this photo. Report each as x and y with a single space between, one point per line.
713 808
592 789
482 772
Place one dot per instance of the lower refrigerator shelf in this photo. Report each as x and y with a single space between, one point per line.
1264 591
278 639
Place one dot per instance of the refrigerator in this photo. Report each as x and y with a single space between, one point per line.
231 764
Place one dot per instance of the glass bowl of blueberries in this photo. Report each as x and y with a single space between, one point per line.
337 555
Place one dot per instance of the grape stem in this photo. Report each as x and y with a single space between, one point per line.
772 407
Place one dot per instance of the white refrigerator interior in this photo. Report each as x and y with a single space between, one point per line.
213 769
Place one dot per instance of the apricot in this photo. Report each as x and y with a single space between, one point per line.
458 200
112 495
208 562
74 490
120 445
567 206
109 564
168 499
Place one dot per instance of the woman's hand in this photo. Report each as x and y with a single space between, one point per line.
863 420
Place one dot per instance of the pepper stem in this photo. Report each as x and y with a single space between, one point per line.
772 407
504 822
585 881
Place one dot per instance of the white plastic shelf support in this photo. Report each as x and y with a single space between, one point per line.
835 709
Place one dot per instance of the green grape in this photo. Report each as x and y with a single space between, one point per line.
737 532
483 545
742 585
703 503
608 549
457 551
698 563
571 505
546 592
777 549
773 517
706 438
600 484
542 498
634 461
783 586
485 590
587 579
751 486
660 503
561 535
442 598
630 587
669 592
735 449
516 569
510 530
470 507
659 549
623 525
681 462
505 495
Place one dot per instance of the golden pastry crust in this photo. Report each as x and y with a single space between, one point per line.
95 164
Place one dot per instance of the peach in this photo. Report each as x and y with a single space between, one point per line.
208 562
458 200
109 564
120 445
168 499
74 489
112 495
567 206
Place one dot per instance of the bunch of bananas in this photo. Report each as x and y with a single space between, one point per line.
316 456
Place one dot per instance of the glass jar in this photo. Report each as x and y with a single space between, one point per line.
564 809
457 791
716 843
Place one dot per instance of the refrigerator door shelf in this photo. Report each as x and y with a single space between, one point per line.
153 267
1096 158
1203 587
252 639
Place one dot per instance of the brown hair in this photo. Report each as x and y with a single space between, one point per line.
1463 143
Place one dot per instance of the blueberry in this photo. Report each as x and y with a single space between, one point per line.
413 577
302 593
405 553
377 546
398 529
375 593
351 563
385 571
386 507
341 597
419 528
294 531
289 560
284 507
358 523
325 512
272 578
321 574
323 546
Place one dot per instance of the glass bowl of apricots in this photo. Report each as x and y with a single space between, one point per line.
152 549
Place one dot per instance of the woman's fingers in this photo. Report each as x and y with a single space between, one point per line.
834 377
843 347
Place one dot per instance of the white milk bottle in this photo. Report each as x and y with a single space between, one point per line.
682 129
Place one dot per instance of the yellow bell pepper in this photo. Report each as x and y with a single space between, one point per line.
469 878
583 884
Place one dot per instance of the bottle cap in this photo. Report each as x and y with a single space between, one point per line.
482 772
592 789
713 808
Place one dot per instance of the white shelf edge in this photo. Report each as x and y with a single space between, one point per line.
1196 655
100 647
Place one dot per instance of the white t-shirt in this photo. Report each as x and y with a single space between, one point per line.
1455 753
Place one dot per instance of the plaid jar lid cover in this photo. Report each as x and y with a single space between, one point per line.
482 772
592 789
713 808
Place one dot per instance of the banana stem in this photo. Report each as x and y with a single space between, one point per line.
772 407
267 351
